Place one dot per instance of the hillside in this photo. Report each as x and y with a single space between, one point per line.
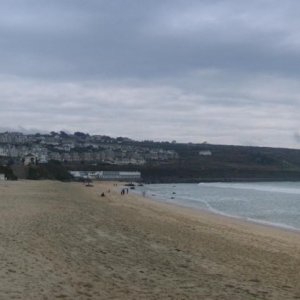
226 163
58 152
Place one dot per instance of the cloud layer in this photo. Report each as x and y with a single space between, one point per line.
220 71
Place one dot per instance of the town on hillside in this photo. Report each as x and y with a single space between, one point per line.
16 147
57 155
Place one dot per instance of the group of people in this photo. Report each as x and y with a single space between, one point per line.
124 191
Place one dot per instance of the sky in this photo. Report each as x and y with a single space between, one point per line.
224 72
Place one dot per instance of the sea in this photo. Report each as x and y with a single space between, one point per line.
270 203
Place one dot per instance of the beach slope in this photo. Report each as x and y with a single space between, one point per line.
65 241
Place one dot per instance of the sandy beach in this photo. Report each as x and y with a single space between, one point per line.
65 241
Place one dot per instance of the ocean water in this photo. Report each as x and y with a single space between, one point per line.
272 203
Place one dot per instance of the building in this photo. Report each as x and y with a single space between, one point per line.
30 159
43 158
107 175
120 175
2 177
205 153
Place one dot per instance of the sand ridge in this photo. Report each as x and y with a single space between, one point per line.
65 241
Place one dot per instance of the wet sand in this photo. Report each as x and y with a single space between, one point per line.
65 241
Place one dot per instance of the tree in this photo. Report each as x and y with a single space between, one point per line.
81 135
63 134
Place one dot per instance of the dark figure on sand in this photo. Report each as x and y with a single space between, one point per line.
124 191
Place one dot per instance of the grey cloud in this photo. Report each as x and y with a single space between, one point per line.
156 112
221 71
117 39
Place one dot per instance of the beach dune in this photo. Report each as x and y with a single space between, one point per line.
65 241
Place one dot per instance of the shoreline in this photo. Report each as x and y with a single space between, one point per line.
248 220
195 212
282 227
225 180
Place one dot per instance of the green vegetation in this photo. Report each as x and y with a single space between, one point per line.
8 173
226 163
52 170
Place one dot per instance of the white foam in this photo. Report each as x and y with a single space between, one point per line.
197 201
253 220
252 186
272 224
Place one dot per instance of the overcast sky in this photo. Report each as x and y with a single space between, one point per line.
225 72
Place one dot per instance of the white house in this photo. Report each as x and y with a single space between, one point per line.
205 153
108 175
30 159
43 158
2 177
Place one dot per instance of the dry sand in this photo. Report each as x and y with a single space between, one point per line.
64 241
